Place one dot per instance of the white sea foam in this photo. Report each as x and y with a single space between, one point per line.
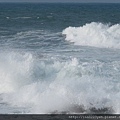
94 34
7 17
22 18
14 68
45 86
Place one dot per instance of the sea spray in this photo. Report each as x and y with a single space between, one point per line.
94 34
46 86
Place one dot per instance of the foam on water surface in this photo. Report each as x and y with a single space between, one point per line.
94 34
48 67
35 85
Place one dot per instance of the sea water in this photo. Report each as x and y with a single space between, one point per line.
57 58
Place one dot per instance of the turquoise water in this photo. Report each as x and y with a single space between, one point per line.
59 58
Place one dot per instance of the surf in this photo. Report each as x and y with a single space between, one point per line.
94 34
52 85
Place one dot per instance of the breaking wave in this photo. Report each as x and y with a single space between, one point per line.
94 34
54 85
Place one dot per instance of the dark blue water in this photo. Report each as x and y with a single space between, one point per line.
57 58
15 18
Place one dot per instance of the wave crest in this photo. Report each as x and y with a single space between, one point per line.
94 34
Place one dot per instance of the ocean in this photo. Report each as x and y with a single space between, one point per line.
59 58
